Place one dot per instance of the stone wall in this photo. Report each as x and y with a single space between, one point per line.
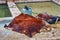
56 1
29 0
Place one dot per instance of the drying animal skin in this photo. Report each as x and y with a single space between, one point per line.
44 16
48 18
26 24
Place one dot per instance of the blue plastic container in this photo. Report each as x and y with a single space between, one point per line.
27 10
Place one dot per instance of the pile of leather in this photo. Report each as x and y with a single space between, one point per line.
26 24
